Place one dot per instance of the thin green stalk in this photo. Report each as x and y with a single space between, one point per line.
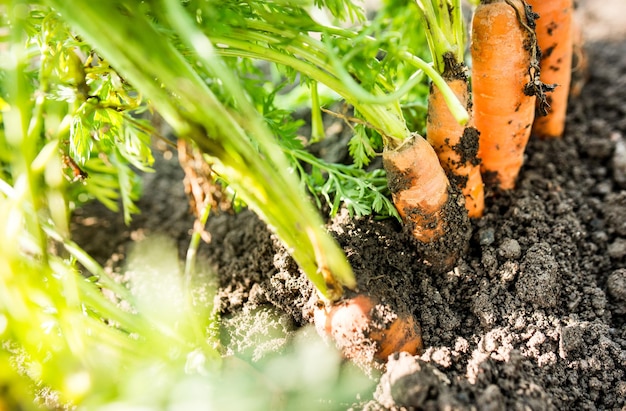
458 28
190 265
387 119
21 120
194 244
434 37
445 36
317 124
444 29
90 264
358 97
310 49
456 108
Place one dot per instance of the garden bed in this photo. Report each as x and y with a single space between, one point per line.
532 317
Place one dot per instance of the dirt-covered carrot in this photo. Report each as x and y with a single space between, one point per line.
504 72
419 187
554 38
455 144
421 193
457 147
356 322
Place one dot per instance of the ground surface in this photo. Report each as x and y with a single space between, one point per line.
533 317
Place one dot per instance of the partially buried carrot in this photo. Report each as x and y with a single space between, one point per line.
455 144
419 187
555 39
367 331
422 195
503 74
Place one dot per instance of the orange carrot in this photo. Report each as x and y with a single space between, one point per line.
419 187
456 145
554 38
421 193
455 142
354 323
502 49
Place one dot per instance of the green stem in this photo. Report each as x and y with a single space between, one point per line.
23 123
458 29
317 53
456 108
192 250
444 29
91 265
317 124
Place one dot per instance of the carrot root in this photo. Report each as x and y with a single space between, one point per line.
456 145
419 187
554 38
502 51
431 209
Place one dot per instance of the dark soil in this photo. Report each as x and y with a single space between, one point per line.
532 318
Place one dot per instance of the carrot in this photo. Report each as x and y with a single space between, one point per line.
503 73
421 193
355 323
456 145
419 187
555 39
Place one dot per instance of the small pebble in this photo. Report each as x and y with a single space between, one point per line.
510 249
616 284
600 237
617 249
487 236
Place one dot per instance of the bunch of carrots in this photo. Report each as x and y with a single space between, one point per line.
521 58
521 53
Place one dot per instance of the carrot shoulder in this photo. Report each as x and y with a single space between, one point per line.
555 39
501 44
456 145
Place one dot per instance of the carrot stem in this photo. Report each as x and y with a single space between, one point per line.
160 71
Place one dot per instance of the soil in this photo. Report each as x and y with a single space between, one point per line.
533 317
